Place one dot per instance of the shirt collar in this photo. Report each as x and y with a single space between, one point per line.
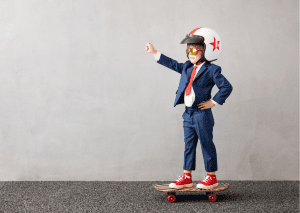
199 66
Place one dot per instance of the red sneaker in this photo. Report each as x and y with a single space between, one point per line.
182 181
209 181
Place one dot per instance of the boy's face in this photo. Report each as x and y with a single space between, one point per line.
195 58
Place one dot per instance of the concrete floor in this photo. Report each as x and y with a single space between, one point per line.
242 196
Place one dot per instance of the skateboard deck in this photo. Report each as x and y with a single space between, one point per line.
171 192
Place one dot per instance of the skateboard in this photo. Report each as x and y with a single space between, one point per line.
171 192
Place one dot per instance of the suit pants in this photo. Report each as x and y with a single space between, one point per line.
198 124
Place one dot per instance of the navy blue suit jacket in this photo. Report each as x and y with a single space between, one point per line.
208 76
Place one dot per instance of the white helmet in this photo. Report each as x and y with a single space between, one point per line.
208 37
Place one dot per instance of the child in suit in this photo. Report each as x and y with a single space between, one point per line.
198 76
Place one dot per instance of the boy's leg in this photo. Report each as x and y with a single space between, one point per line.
209 151
204 129
190 140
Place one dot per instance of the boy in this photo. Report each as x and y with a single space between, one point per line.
198 76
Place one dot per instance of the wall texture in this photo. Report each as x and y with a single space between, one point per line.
81 99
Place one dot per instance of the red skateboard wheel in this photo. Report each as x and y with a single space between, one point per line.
171 198
212 197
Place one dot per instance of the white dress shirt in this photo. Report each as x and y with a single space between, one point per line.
188 99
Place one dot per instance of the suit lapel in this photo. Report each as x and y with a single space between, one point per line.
202 69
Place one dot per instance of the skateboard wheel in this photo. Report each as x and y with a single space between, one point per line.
171 198
212 197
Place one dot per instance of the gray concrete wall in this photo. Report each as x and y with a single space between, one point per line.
81 99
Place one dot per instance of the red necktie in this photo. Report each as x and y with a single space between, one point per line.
189 86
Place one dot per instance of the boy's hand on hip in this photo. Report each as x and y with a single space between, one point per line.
206 105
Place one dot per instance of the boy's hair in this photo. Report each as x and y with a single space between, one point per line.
198 44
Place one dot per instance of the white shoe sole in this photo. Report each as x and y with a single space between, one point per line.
201 186
173 185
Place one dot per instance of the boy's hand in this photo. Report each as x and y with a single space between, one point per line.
206 105
150 49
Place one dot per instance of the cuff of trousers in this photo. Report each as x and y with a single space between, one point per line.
189 168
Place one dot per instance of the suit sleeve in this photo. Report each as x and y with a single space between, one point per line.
170 63
225 88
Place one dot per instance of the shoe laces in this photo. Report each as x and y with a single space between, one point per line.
206 178
179 178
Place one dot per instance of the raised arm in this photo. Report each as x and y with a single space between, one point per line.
164 60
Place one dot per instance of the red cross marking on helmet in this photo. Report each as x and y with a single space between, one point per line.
215 44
